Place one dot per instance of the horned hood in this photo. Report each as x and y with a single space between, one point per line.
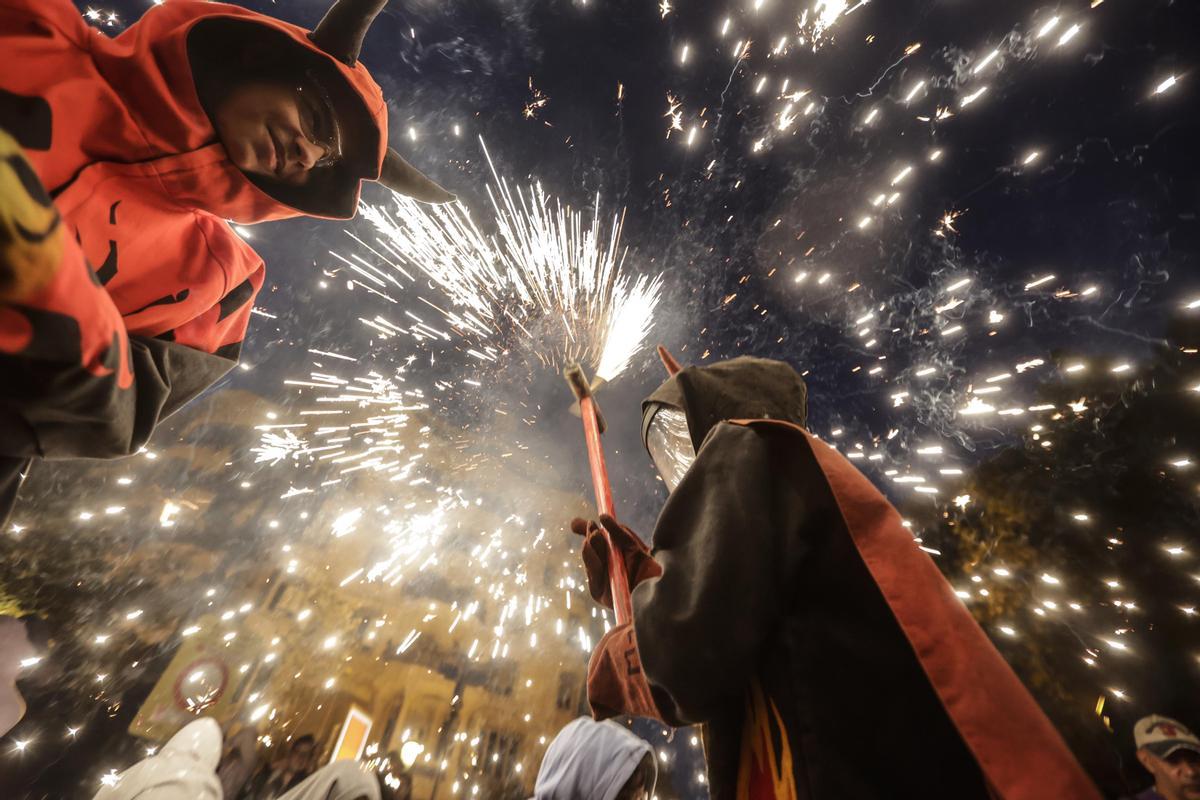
139 103
198 49
741 388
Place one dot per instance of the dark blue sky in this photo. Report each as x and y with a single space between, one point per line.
1110 202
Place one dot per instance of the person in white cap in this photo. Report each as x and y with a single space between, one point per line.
1171 753
184 769
341 780
591 760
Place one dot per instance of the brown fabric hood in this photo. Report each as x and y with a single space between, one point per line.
740 388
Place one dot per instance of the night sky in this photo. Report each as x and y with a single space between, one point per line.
769 242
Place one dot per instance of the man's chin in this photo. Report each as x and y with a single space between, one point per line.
245 160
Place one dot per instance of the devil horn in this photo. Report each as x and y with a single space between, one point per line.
340 32
668 360
401 176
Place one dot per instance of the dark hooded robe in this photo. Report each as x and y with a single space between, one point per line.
124 291
798 622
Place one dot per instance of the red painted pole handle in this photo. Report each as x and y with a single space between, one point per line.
618 581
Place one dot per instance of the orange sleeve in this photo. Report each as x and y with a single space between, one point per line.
76 383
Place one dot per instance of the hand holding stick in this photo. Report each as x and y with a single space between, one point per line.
593 426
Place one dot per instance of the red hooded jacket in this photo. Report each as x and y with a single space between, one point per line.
147 292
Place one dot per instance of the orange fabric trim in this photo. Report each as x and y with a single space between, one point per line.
1021 754
763 773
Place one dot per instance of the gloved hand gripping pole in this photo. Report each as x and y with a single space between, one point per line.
593 426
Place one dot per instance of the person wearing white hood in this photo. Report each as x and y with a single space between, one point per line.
591 760
184 769
341 780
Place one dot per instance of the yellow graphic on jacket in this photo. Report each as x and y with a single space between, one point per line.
31 243
765 767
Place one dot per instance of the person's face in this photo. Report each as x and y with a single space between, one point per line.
278 131
640 783
298 758
635 790
1177 777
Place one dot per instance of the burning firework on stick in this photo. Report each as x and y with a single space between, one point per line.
548 275
593 426
547 272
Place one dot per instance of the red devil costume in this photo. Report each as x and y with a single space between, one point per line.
786 609
124 292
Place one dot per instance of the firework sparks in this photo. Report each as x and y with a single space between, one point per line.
537 101
815 23
547 264
537 275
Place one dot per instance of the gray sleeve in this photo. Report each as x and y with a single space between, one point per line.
55 409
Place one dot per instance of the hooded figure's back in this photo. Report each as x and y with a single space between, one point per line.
589 760
795 617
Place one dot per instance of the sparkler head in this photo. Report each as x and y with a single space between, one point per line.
581 389
551 277
577 381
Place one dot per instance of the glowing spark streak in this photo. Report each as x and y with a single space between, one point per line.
409 641
1068 34
1167 83
332 355
786 118
976 407
381 257
989 58
1050 25
346 522
972 97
